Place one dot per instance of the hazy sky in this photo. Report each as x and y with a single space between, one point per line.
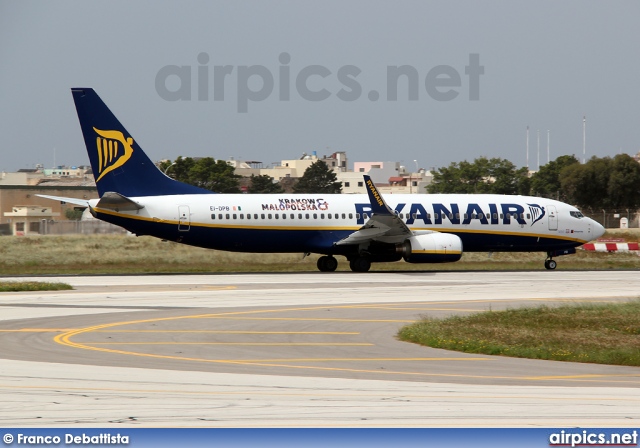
545 64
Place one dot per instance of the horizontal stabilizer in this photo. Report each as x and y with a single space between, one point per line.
76 201
115 201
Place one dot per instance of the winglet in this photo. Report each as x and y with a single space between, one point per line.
378 206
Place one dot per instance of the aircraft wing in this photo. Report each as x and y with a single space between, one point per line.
383 225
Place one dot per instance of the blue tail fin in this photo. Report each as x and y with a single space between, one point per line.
118 163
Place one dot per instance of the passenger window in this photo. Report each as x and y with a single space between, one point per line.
220 216
255 216
350 215
315 216
234 216
292 216
329 215
299 215
227 216
262 215
248 215
321 215
213 216
277 215
269 216
344 216
357 215
241 215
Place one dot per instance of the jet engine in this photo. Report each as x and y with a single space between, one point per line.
431 248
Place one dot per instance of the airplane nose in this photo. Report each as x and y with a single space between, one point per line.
597 229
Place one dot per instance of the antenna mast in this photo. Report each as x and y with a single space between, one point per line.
538 149
584 138
548 153
527 148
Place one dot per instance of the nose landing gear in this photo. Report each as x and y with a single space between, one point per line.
550 264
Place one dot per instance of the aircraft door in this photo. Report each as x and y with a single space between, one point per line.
553 217
184 220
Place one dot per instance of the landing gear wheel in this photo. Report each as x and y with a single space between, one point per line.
360 264
327 264
550 264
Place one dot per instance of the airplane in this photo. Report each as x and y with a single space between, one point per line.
365 229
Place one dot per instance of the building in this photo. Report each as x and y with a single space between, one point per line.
336 161
30 219
389 177
291 168
13 196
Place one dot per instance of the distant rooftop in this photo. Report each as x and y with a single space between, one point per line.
67 183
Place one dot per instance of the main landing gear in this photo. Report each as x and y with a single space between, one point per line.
327 263
360 264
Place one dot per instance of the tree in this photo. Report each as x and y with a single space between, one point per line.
318 178
495 175
214 175
586 185
264 184
505 178
546 182
624 182
73 215
603 183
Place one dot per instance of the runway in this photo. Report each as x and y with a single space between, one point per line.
303 349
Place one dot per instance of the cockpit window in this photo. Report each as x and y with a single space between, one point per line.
576 214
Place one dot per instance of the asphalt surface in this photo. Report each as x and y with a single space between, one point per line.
307 344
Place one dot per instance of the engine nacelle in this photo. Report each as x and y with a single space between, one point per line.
432 248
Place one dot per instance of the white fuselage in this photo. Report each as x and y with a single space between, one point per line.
315 222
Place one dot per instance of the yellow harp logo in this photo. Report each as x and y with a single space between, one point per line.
113 150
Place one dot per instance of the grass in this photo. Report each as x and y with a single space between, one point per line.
122 254
602 334
33 286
